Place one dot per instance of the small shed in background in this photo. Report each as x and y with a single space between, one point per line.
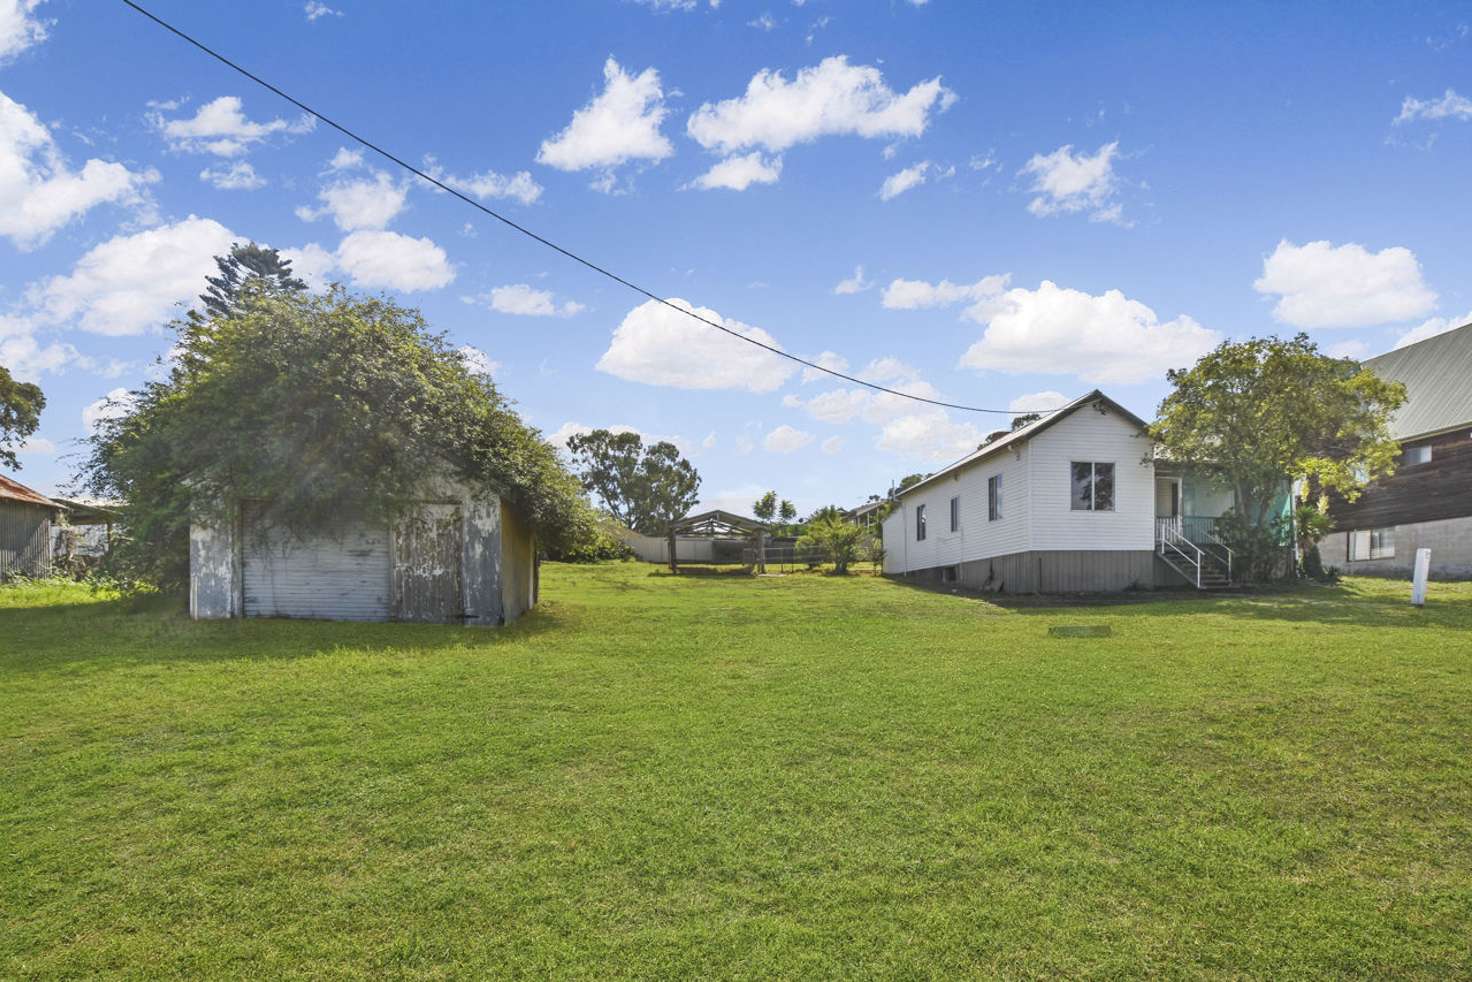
26 519
87 530
454 558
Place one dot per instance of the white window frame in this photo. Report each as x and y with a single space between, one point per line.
955 513
1365 545
1411 453
920 523
1094 466
994 498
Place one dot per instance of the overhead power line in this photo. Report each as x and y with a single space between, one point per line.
602 270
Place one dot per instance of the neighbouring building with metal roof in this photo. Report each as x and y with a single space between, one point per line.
1427 502
26 520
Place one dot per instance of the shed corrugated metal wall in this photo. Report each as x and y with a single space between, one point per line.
25 538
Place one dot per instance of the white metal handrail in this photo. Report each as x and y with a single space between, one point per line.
1169 535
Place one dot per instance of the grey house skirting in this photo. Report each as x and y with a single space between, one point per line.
1062 571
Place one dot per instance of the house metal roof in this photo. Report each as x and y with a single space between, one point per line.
1437 374
16 491
1025 433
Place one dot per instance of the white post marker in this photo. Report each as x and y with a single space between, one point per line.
1418 579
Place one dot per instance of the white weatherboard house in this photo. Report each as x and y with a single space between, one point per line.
1073 502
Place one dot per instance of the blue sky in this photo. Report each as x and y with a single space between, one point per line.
1042 199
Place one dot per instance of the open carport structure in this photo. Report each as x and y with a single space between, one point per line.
713 537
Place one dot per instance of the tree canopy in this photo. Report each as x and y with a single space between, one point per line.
20 413
323 405
246 263
1264 410
645 488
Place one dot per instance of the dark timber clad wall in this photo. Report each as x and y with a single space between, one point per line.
1420 493
25 538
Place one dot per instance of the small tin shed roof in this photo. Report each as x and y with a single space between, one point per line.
16 491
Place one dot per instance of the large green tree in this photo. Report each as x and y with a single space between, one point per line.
646 488
1267 410
323 405
20 413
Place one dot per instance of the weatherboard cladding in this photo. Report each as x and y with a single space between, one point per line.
1437 374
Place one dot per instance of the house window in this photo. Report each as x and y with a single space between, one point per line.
994 498
956 513
1417 455
1093 486
919 523
1372 544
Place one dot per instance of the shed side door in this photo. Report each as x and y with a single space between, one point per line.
428 553
339 574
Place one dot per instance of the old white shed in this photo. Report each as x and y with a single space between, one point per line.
455 558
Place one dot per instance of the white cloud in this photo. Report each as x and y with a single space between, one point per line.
660 346
840 406
345 159
740 173
523 300
1107 338
1449 106
1323 285
316 10
374 259
239 176
116 403
489 184
828 359
832 446
1066 183
133 282
744 446
571 428
19 29
369 203
1433 327
311 263
832 98
37 446
27 359
930 436
39 193
982 296
786 439
897 184
1356 349
709 443
854 284
220 127
477 360
763 23
620 124
1037 402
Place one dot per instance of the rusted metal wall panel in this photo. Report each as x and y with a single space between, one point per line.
25 539
482 564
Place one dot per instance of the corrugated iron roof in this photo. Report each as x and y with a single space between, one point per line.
1437 374
17 491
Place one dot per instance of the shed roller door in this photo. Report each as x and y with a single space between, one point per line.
343 576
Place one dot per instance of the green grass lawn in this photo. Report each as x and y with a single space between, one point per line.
728 776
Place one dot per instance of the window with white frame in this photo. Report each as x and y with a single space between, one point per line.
1371 544
1093 486
919 523
994 498
956 513
1417 455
